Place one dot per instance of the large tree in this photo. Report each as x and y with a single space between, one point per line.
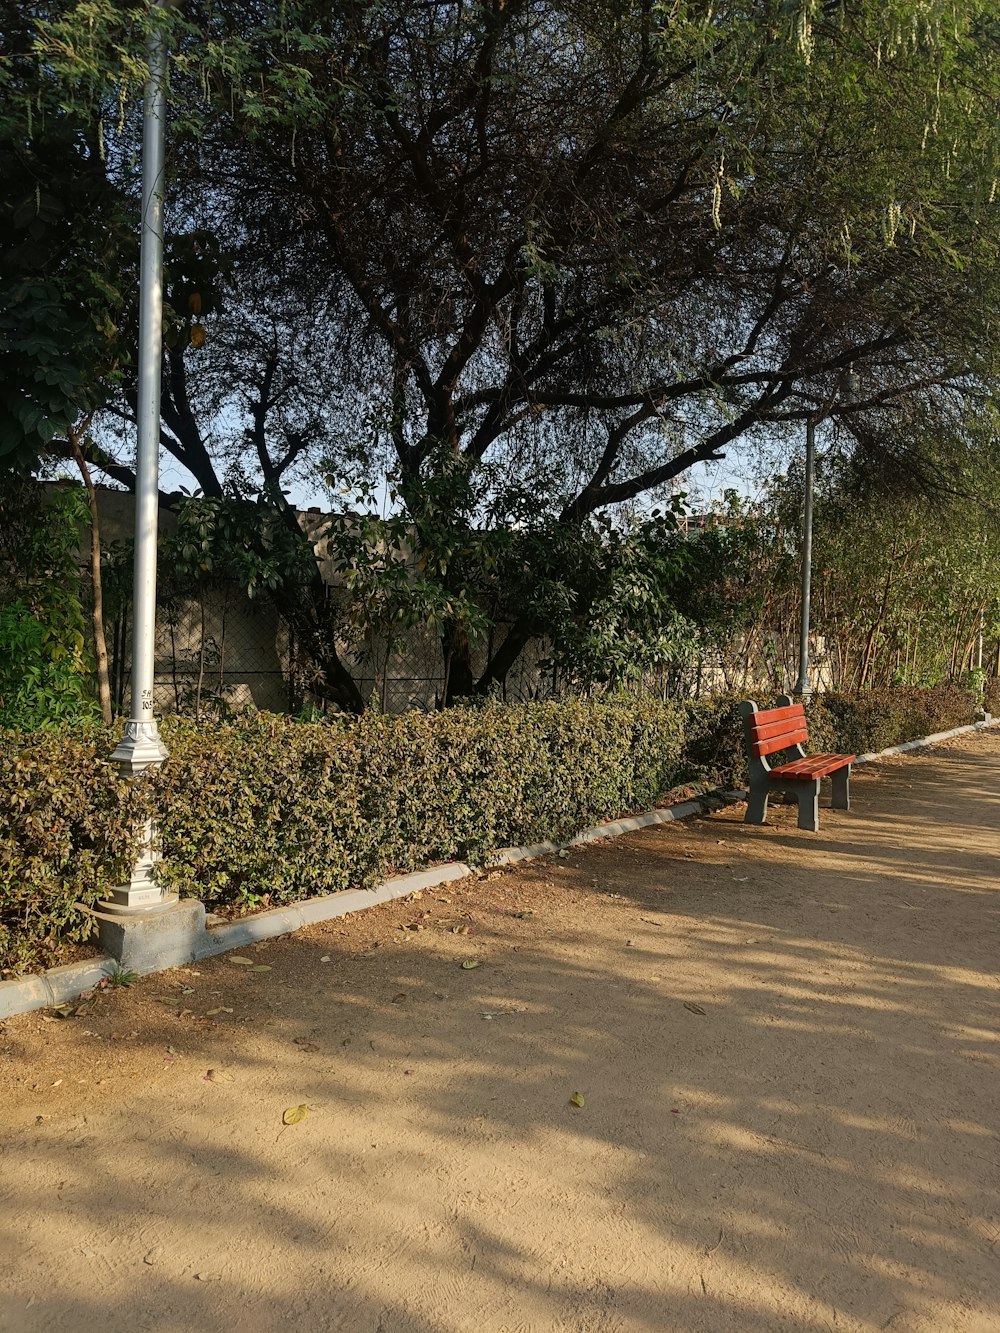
566 250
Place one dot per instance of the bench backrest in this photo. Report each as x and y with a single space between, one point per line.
774 729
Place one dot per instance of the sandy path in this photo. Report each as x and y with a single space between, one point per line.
818 1150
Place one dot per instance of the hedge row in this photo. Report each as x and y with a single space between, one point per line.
268 809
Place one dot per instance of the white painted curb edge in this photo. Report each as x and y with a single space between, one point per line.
61 985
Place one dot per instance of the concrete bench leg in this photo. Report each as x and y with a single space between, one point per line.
756 806
842 789
808 796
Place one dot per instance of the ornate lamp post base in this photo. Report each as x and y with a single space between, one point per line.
140 748
141 894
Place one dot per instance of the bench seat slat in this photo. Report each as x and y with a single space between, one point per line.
815 766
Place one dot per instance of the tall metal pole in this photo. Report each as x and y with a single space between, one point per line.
141 747
803 688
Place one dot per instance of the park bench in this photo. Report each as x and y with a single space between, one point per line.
770 731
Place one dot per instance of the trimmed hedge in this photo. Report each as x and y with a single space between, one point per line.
991 695
68 826
267 809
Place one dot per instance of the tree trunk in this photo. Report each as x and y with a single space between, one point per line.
518 637
97 601
460 682
301 609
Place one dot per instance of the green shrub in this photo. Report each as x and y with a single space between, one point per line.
875 719
269 809
67 835
991 694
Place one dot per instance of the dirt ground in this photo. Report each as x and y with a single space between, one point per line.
786 1047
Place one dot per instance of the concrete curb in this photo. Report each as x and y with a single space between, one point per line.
937 737
283 920
59 985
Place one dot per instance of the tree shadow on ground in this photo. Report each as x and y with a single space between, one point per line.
815 1150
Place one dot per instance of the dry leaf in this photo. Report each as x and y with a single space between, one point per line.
398 999
222 1009
578 1099
218 1076
241 962
208 1277
470 963
294 1115
261 967
693 1008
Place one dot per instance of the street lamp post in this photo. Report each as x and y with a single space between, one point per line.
846 390
803 687
140 747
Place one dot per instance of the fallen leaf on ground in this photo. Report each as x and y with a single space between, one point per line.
261 967
294 1115
208 1277
578 1099
218 1076
398 999
693 1008
241 962
222 1009
325 958
469 963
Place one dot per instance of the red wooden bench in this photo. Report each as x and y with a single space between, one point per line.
771 731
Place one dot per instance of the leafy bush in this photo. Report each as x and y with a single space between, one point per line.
44 670
875 719
267 809
991 695
328 806
67 835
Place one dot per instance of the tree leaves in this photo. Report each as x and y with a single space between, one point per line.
294 1115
